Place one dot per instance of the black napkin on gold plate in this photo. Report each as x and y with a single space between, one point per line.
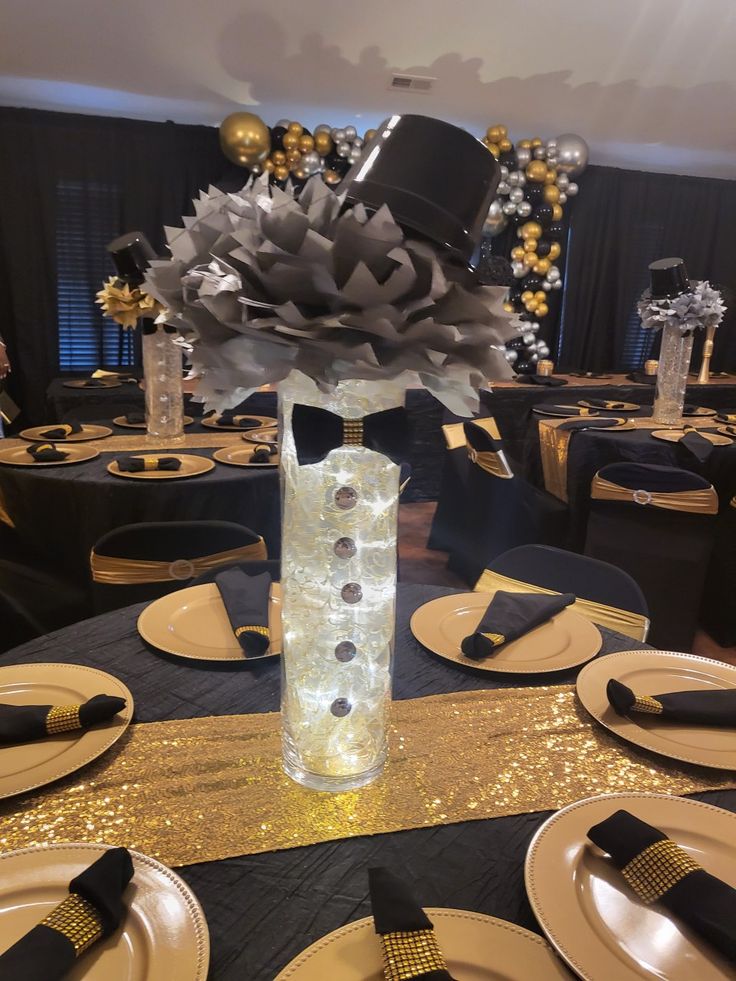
62 430
46 453
548 380
246 603
564 410
608 404
25 723
510 616
137 464
658 870
93 383
93 909
707 707
228 418
410 948
135 418
700 447
591 422
641 378
726 417
262 453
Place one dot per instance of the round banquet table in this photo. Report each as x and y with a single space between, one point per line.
264 909
62 511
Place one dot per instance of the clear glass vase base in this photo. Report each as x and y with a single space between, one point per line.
327 784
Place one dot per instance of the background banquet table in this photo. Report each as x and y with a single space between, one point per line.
61 512
263 909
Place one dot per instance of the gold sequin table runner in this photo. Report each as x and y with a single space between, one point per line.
140 441
554 445
199 790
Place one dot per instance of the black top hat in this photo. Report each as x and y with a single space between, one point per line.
668 278
132 254
437 179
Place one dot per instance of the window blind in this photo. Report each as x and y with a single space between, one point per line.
646 245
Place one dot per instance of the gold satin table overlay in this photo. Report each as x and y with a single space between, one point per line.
199 790
554 445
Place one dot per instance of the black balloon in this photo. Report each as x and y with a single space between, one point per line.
532 283
534 192
524 367
543 248
277 138
556 230
508 159
543 214
515 344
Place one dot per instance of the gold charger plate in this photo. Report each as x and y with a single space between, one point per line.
675 435
592 918
729 430
654 673
191 466
699 410
193 623
262 421
26 766
268 435
565 641
615 406
476 947
121 421
104 383
239 456
35 435
163 934
594 423
18 456
565 411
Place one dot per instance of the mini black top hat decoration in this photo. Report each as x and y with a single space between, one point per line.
132 254
448 200
668 279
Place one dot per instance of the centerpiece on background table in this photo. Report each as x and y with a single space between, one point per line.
343 299
123 299
678 308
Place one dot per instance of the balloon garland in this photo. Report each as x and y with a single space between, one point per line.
537 179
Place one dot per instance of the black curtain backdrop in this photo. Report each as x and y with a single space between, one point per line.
621 221
158 168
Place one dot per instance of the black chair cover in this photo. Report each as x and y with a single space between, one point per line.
163 542
666 552
447 520
34 601
500 513
568 572
719 609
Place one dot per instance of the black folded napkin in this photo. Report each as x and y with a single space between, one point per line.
137 464
642 378
24 723
135 418
410 948
93 383
510 616
608 404
590 374
590 423
710 707
700 447
692 410
658 870
556 408
730 430
262 453
46 453
228 418
62 431
92 910
549 380
726 417
246 603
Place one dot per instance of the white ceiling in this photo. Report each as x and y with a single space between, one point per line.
650 84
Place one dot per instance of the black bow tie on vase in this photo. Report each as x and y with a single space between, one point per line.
317 432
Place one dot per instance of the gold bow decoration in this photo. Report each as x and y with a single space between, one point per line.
125 305
494 463
703 501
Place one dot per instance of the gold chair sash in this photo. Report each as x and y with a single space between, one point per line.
495 464
132 572
693 501
455 434
553 447
622 621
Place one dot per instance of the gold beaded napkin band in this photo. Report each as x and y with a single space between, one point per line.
199 790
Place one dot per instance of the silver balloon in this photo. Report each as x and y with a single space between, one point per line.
358 142
572 189
343 148
532 326
572 154
546 286
504 172
542 350
310 163
528 338
557 285
519 269
350 133
338 135
523 155
562 181
524 209
284 123
551 156
553 274
552 145
503 188
562 198
533 358
540 153
509 208
496 220
355 155
517 178
516 195
511 356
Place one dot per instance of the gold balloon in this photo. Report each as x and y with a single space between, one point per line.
293 156
530 245
503 131
505 145
541 267
296 128
245 139
556 212
541 296
517 253
551 193
268 165
525 144
531 229
290 141
542 310
551 176
493 147
281 173
526 296
332 177
278 157
536 142
536 170
306 144
554 251
368 135
532 305
296 163
508 307
530 258
323 143
493 134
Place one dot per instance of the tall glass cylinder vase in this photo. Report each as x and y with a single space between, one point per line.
674 362
162 371
338 576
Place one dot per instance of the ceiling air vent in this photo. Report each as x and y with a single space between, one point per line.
412 83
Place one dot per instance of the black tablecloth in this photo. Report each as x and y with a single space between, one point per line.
263 909
61 512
